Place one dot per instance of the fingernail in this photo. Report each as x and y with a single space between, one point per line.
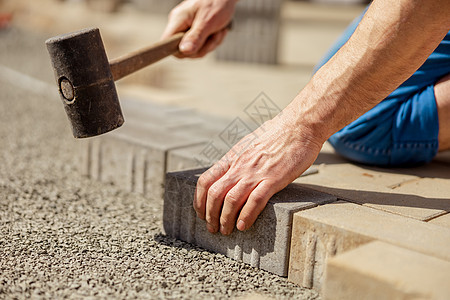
186 47
223 230
241 225
210 228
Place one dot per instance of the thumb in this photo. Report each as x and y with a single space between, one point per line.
194 39
177 25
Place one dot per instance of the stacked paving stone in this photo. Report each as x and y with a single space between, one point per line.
255 34
387 237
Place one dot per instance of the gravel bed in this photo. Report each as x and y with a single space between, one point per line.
65 236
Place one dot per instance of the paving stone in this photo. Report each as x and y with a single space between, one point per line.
266 245
149 113
255 34
382 271
194 157
443 220
382 189
325 231
437 189
134 156
438 168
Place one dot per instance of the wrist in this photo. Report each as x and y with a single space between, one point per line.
309 116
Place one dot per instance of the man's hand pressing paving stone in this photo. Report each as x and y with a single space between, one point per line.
236 189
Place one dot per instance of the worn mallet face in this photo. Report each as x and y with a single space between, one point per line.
85 82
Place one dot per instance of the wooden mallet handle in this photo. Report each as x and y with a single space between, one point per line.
134 61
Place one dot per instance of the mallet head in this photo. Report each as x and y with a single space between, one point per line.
85 82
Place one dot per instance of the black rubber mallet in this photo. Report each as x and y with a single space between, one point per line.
86 78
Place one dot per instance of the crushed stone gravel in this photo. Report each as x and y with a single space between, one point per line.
65 236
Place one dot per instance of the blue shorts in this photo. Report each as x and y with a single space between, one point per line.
402 130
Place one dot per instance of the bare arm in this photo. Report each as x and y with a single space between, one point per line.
391 42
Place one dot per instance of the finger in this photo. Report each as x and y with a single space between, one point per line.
195 38
212 43
215 198
256 202
175 26
180 19
204 183
234 200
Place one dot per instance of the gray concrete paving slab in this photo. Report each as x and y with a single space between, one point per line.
266 245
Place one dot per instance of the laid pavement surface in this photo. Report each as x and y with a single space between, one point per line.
65 236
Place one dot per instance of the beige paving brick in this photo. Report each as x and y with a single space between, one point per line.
383 271
382 189
430 188
324 231
443 220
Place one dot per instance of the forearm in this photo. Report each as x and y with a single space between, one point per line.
392 41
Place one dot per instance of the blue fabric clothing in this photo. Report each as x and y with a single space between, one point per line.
402 130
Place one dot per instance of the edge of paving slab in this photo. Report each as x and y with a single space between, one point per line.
379 270
265 245
322 232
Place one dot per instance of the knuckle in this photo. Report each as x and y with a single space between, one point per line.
232 199
246 217
214 192
195 35
226 222
203 181
176 11
173 14
258 198
211 219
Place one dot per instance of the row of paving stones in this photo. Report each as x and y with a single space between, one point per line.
311 231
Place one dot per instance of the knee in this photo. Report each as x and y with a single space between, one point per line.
403 133
404 154
359 148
